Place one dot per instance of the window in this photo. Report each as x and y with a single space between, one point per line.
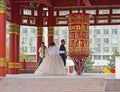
90 40
90 32
64 32
91 11
114 31
33 30
97 49
56 32
97 57
33 40
106 57
106 31
35 13
24 40
24 20
106 49
27 12
7 41
24 30
102 21
56 41
104 11
106 40
7 31
114 40
32 49
97 31
74 11
32 20
55 13
114 49
116 11
91 50
46 13
62 13
91 21
24 49
97 40
115 21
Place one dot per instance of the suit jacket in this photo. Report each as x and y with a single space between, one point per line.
62 50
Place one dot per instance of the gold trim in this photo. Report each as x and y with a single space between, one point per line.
50 34
14 65
2 62
39 31
50 31
17 29
13 28
39 28
39 34
2 59
11 24
17 33
2 11
12 32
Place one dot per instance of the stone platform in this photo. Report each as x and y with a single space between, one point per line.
60 83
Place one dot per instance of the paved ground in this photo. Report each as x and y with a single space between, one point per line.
60 83
83 75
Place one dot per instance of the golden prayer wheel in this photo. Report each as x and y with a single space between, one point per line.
78 24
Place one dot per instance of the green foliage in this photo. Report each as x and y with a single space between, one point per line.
30 58
88 68
7 53
111 63
22 56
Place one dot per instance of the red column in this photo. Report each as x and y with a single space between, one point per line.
2 39
50 24
17 49
39 31
39 40
11 64
17 40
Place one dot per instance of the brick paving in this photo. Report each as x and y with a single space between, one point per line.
59 83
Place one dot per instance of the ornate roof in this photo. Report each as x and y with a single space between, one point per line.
70 3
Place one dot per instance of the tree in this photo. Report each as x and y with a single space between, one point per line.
111 63
88 68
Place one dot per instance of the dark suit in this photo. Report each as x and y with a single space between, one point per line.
63 55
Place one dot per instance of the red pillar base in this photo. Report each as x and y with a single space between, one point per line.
79 64
2 72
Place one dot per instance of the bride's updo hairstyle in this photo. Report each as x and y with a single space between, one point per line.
52 44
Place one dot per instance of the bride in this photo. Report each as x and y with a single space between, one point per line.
52 63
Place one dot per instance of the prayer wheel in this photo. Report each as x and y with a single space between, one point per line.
78 25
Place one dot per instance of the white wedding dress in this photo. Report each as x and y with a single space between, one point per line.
52 64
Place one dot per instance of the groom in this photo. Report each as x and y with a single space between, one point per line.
62 50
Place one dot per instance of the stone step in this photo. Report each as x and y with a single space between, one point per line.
112 85
52 84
